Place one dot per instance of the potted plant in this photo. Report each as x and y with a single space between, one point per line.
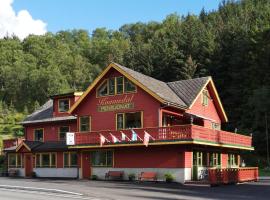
94 177
168 177
131 177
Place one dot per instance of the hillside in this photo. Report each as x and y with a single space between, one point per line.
231 44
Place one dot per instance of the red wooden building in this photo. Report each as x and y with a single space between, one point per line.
183 119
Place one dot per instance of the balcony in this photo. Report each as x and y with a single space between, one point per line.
7 143
185 134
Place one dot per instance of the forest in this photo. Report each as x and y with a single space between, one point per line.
231 44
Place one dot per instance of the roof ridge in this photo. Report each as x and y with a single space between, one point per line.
189 79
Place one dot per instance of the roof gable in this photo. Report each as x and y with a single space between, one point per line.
190 90
157 89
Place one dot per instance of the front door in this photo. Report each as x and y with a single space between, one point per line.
28 164
86 165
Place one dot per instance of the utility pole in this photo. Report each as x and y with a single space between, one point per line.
267 141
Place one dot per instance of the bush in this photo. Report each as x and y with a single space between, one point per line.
131 177
34 175
94 177
169 177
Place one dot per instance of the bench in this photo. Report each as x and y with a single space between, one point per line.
114 175
148 176
13 172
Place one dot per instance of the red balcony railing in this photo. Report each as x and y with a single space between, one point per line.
7 143
168 134
232 175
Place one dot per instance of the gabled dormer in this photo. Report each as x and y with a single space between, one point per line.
63 102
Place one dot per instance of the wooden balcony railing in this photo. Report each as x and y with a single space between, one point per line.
167 134
7 143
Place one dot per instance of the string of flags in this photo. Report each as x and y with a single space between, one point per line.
124 137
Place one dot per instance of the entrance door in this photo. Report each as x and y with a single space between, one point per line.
28 164
86 165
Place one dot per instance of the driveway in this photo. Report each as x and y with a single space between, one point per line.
112 190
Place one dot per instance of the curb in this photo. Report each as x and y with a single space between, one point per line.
264 178
56 191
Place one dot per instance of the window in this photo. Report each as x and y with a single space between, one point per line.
205 98
84 123
129 86
232 160
115 85
103 89
70 159
119 85
129 120
199 158
215 126
38 135
102 158
46 160
215 159
62 132
15 160
63 105
111 86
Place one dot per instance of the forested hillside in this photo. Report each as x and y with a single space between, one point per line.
232 44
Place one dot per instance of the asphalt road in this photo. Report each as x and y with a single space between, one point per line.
9 194
119 190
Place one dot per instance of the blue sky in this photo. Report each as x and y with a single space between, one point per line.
91 14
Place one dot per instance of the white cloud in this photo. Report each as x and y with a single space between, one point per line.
21 24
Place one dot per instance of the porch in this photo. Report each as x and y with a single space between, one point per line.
178 134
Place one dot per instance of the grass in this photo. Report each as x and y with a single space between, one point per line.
264 172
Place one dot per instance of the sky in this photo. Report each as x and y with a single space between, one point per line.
23 17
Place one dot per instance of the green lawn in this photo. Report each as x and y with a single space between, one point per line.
264 172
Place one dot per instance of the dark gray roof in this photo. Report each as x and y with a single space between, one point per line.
45 114
37 146
158 87
182 92
51 146
189 89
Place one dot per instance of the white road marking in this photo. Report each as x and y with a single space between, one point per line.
51 194
39 189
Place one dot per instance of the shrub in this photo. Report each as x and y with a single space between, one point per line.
169 177
94 177
131 177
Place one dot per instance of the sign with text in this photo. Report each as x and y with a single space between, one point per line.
122 106
111 104
70 138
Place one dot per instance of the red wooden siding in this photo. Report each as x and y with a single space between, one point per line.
51 130
208 111
107 120
154 157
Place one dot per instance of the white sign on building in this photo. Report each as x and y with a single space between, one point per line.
70 138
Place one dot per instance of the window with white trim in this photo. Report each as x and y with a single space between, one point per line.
70 159
15 160
63 105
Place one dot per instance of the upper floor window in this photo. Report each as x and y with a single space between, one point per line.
39 134
63 105
205 97
62 132
115 85
84 123
129 120
215 126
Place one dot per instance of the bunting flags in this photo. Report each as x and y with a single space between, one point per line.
135 136
124 136
114 139
102 140
146 138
